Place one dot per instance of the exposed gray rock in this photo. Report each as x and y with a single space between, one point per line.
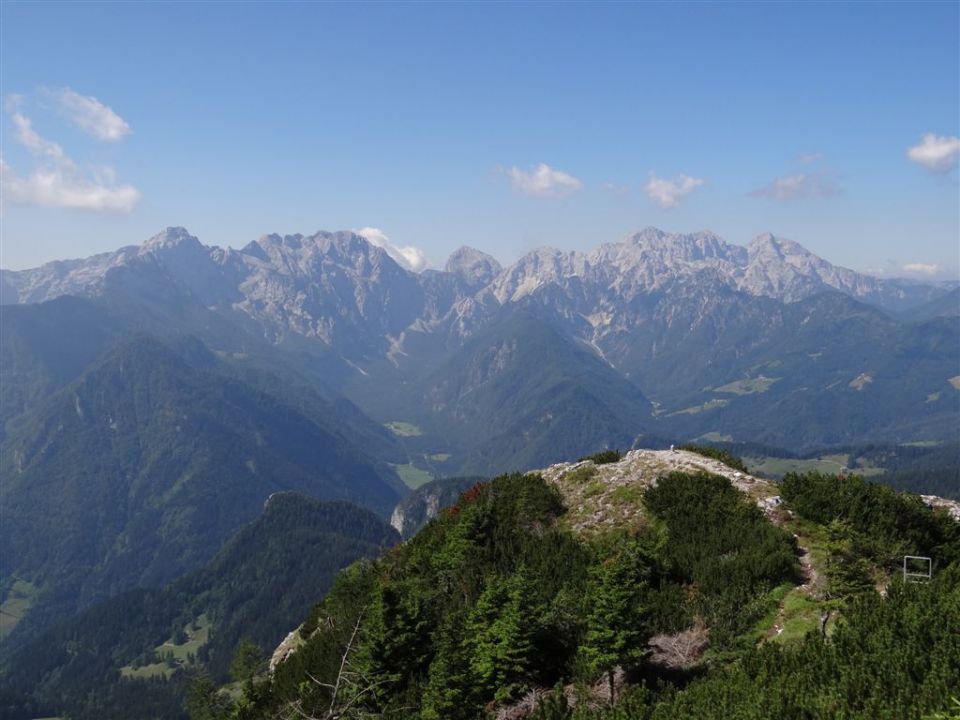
475 268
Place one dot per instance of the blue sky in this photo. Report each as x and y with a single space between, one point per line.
502 126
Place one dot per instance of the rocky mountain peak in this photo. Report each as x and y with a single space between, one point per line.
764 239
475 267
673 248
311 256
359 283
649 234
348 249
770 246
170 238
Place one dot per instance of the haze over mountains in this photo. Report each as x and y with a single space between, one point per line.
137 472
767 342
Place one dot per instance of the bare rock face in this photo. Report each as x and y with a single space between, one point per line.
342 289
785 270
475 268
425 503
290 644
951 506
631 302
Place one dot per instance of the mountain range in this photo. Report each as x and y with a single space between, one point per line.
660 335
272 277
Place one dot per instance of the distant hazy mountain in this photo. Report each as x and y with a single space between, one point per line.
335 285
947 305
827 370
43 347
136 472
519 392
476 268
697 325
651 259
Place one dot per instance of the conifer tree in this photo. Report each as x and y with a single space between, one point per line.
501 633
616 620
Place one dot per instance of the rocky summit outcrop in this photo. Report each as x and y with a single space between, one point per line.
608 495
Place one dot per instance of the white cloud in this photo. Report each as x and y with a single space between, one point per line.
30 139
410 258
807 158
667 193
543 181
921 268
90 115
57 181
936 153
799 185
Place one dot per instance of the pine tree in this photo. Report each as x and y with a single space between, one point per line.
448 684
501 633
616 620
205 702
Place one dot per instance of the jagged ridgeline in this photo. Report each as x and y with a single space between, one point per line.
511 605
480 369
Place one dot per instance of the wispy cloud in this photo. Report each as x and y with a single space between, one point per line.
807 158
921 268
410 258
798 186
917 270
936 153
57 181
543 181
667 193
30 139
89 114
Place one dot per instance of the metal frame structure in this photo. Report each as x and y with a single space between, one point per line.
917 577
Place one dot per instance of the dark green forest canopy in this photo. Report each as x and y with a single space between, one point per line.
256 589
884 525
893 657
724 456
495 598
141 469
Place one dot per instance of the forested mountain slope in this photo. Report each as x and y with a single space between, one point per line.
139 470
133 655
519 394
